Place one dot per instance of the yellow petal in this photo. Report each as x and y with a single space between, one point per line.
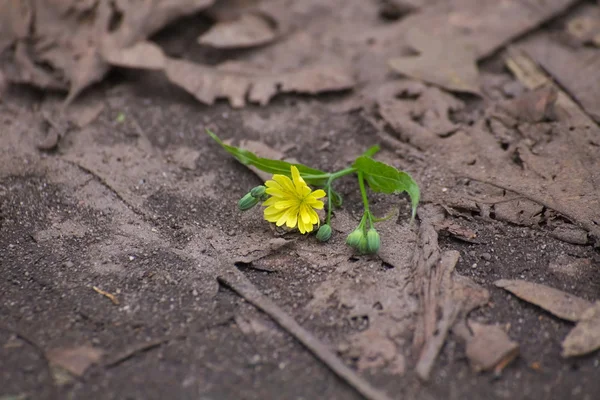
302 227
292 218
277 192
304 215
286 183
283 204
317 194
270 201
298 181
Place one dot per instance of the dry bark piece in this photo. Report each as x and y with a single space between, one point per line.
490 347
585 337
561 304
249 30
76 360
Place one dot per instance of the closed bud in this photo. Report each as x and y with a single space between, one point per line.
373 241
324 233
258 191
355 237
362 245
247 202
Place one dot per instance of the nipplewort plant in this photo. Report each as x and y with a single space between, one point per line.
289 200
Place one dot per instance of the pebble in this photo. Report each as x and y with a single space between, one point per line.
486 256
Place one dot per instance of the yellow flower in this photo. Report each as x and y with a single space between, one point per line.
292 202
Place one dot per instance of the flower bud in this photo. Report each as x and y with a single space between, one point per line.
355 237
247 202
258 191
363 245
324 233
373 241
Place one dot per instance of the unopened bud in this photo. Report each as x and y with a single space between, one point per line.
258 191
355 237
373 241
362 245
324 233
247 202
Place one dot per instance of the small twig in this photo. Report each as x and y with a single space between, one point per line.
106 294
237 281
140 348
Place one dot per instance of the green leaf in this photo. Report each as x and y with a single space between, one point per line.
371 151
387 179
311 176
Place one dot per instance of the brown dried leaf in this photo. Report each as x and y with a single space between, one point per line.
534 106
208 84
585 337
490 347
63 49
450 65
585 27
560 61
557 302
76 360
248 30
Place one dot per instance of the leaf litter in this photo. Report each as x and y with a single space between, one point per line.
531 115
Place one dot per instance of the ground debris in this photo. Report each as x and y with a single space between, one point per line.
557 302
585 337
110 296
446 297
248 30
560 60
489 347
60 46
75 360
234 81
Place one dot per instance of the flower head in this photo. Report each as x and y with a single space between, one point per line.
292 202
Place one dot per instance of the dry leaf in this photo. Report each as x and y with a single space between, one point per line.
248 30
76 360
557 302
534 106
59 45
450 65
490 347
585 337
208 84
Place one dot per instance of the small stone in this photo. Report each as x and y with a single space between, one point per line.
68 264
486 256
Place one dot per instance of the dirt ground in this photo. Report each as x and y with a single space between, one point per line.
120 233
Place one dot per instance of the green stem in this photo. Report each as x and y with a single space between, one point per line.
363 193
332 176
328 204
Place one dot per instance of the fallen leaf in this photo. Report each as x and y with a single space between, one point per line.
560 61
450 65
76 360
490 347
248 30
557 302
60 46
534 106
585 337
585 27
574 267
